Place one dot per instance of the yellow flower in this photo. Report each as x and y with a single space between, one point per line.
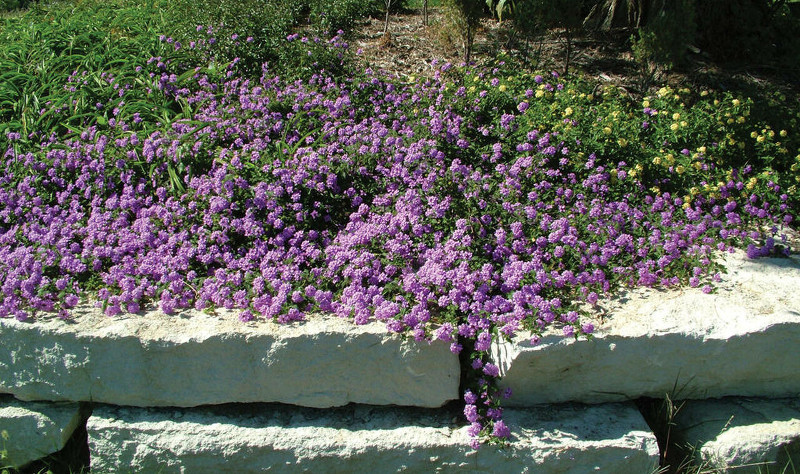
622 142
753 134
697 165
683 123
771 134
752 183
680 169
655 189
760 139
703 93
687 205
657 160
590 97
676 116
475 78
716 102
784 133
694 191
412 78
568 111
736 102
502 87
673 127
702 149
646 103
607 130
539 94
670 158
663 91
472 88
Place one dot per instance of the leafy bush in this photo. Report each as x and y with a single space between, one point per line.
747 30
535 16
11 5
462 18
666 36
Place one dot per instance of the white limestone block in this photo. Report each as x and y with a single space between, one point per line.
576 439
195 359
746 435
649 342
34 429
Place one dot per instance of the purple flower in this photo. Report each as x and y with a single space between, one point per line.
500 429
470 398
491 370
471 413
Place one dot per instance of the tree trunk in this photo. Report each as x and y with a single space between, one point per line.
388 4
607 14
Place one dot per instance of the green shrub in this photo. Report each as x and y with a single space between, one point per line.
747 30
664 38
11 5
462 18
531 17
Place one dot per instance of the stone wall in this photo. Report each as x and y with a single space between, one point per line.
198 392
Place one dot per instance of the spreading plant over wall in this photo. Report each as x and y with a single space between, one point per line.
473 205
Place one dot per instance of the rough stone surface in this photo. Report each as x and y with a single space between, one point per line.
737 341
575 439
742 434
195 359
35 429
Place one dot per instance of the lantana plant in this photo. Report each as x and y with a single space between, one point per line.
468 207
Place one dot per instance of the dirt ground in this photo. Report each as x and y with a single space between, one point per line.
410 47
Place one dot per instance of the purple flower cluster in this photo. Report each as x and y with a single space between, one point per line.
364 198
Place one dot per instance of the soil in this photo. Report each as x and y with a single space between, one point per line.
411 47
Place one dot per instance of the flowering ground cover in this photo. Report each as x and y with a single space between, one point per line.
464 207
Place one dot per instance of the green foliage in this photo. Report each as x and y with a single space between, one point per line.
500 7
549 13
4 451
748 30
463 17
98 41
267 24
11 5
663 40
532 17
